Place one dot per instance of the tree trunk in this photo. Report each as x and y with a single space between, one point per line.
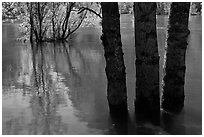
115 68
174 79
31 21
40 22
147 58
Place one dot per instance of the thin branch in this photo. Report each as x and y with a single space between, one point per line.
85 8
36 33
31 22
64 25
46 27
53 16
76 27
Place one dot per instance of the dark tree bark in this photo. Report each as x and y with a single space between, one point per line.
174 79
115 68
147 58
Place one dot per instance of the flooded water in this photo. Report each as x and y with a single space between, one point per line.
61 88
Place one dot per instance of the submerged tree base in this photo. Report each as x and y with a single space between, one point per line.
153 117
175 105
119 109
52 40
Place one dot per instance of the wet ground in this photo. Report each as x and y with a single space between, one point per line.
61 88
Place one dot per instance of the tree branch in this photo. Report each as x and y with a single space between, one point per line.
76 27
85 8
65 23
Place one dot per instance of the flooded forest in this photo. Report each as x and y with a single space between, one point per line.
101 68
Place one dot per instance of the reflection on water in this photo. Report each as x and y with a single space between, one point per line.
60 88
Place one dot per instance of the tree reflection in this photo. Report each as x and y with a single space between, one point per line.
173 123
72 69
59 69
45 101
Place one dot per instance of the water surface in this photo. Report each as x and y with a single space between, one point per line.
60 88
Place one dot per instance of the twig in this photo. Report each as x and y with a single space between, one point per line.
85 8
76 27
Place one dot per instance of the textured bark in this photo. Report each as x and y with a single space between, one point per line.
115 68
174 79
147 58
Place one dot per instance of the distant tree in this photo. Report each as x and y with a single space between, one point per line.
196 8
53 21
125 7
174 79
163 8
147 58
12 10
160 8
115 68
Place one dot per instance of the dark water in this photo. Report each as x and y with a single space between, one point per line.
61 88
